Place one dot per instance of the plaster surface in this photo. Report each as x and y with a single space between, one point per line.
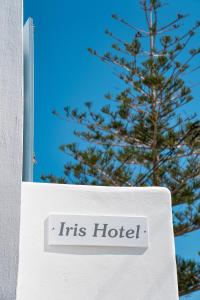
11 112
95 273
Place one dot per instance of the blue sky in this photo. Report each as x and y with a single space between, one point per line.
65 74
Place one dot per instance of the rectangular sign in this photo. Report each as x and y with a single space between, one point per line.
83 230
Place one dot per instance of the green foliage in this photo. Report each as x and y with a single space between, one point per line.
141 137
189 276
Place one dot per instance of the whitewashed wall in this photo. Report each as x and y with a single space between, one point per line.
10 142
95 273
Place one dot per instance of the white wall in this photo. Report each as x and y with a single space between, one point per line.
10 142
95 273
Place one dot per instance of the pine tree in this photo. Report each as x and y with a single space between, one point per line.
141 137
